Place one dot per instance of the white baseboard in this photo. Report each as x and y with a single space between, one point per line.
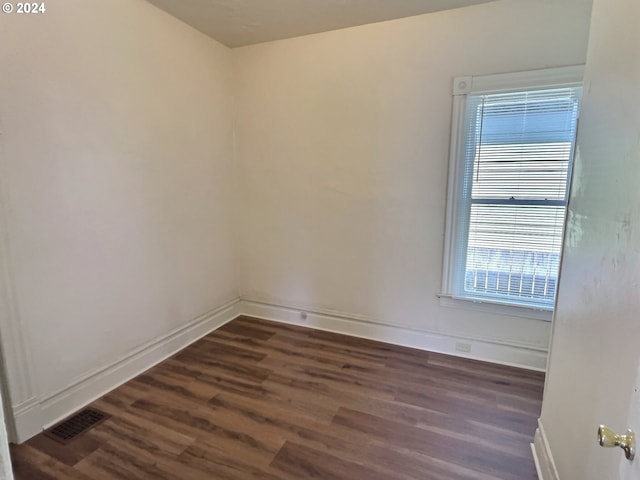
33 416
27 420
523 356
542 456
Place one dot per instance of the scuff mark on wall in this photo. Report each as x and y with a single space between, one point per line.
574 232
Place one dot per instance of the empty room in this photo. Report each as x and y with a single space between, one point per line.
330 239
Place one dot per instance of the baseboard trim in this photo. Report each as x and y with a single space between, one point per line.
27 420
532 358
542 456
37 414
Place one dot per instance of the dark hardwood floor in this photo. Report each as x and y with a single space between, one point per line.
261 400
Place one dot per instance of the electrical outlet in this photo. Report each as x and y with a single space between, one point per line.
463 347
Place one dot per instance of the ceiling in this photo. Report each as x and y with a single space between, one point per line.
244 22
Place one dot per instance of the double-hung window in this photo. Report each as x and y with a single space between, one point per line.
512 148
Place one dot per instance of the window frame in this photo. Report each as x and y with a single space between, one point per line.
477 85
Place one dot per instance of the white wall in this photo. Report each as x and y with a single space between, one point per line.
342 144
117 168
595 356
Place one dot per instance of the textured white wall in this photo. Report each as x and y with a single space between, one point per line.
342 143
117 161
595 362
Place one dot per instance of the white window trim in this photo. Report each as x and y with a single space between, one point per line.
473 85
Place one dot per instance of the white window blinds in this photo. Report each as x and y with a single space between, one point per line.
518 149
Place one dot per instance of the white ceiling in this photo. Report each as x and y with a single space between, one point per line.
244 22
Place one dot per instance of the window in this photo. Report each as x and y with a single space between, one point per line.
512 149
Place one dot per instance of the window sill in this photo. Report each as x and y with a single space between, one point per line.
497 308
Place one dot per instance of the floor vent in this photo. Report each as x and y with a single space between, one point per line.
72 427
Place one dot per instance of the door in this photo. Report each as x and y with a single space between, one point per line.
594 365
5 459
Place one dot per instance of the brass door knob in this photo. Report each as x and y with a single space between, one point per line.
609 438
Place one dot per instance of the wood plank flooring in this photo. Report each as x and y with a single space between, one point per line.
262 400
